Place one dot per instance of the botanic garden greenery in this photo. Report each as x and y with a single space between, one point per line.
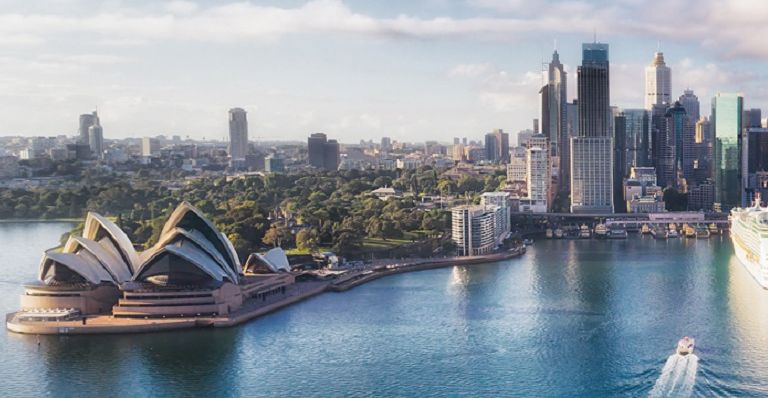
305 210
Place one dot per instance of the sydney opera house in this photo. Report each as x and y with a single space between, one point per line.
192 271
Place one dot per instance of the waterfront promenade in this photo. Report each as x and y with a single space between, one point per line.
252 308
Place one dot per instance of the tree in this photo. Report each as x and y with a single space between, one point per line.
307 239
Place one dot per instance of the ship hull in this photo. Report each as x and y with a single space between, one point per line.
749 262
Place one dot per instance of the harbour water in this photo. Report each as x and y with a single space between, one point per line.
570 318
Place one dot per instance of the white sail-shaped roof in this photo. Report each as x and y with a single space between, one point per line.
97 227
188 217
109 259
199 239
84 265
277 259
193 255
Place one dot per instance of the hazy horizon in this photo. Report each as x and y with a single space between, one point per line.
413 71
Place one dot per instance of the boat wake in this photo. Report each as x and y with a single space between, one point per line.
677 377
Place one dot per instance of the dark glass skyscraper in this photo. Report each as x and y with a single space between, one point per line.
592 149
323 153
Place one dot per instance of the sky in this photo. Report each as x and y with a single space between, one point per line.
408 69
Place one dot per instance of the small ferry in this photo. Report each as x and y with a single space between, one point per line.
617 233
584 232
685 345
601 231
689 231
645 230
713 229
659 232
702 233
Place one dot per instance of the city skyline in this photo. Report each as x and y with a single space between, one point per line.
430 70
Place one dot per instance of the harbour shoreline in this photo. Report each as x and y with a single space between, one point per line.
252 309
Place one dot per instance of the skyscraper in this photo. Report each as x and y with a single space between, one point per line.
620 165
323 153
592 149
554 97
85 122
658 82
96 137
497 146
669 151
757 163
538 178
238 135
727 111
637 138
690 102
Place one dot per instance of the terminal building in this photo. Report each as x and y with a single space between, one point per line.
192 270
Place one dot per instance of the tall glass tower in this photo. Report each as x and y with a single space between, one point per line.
592 148
554 97
727 111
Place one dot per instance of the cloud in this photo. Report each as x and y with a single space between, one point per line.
729 28
499 89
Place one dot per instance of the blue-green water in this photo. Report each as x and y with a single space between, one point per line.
570 318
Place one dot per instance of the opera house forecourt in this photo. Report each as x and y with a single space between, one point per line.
192 277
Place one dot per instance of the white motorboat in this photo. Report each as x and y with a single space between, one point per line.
685 345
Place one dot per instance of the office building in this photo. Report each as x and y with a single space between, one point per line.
150 146
274 164
497 146
658 82
85 122
727 113
621 167
323 153
238 136
637 140
690 102
757 163
554 97
592 149
96 137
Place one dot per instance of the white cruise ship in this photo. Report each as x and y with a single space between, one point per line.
749 234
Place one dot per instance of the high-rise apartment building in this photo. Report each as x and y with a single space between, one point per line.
474 229
658 82
538 178
727 113
503 222
238 135
592 149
